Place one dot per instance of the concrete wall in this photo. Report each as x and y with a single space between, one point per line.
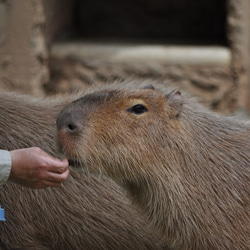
23 52
238 36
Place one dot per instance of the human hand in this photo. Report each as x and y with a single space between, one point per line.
34 168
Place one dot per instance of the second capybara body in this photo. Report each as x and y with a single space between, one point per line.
187 168
84 213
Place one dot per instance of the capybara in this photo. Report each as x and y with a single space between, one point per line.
187 168
84 213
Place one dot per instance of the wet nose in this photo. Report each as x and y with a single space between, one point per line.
66 123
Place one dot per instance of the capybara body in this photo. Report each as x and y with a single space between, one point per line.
187 168
84 213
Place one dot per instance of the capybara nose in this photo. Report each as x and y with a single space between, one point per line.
65 123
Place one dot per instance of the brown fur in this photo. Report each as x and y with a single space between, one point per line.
85 213
187 168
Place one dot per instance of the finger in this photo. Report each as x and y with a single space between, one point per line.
58 162
58 177
58 170
58 166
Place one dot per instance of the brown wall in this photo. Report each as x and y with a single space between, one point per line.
24 56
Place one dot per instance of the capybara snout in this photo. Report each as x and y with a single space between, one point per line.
66 122
72 118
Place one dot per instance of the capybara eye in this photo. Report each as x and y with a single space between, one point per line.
138 109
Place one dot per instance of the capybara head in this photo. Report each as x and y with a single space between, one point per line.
115 130
186 167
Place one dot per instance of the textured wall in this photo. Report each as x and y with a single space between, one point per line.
238 36
24 55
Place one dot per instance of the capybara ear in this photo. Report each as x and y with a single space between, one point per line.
175 102
150 86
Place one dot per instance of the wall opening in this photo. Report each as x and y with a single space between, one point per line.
173 21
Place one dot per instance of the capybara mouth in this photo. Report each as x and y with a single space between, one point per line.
75 163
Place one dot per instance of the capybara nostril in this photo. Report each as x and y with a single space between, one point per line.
65 122
71 127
